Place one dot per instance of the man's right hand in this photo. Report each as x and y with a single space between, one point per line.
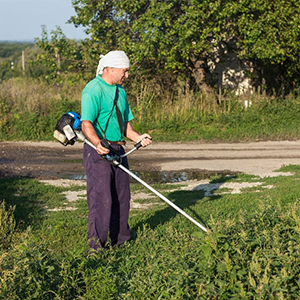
91 135
101 149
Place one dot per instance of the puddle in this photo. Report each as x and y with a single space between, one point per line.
163 177
171 177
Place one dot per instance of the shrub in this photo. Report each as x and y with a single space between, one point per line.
7 225
256 256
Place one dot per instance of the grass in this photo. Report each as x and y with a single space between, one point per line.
250 251
276 120
30 109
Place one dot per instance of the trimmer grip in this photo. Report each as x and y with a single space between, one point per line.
104 143
138 145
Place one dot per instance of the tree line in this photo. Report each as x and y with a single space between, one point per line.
11 60
171 39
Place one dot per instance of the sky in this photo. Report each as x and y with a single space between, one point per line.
22 20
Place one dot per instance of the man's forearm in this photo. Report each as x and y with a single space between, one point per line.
90 132
131 134
92 136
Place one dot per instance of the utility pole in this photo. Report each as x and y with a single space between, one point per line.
23 61
57 56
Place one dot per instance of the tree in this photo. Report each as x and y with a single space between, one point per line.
171 38
267 34
160 36
59 55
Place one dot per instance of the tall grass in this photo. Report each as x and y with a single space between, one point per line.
189 116
29 110
36 95
7 225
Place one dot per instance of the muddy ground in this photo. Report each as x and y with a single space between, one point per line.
51 160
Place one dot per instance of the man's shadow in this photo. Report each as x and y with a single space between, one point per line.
24 195
185 200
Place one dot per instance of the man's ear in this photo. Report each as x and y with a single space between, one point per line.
106 69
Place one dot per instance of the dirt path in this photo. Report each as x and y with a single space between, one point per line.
50 160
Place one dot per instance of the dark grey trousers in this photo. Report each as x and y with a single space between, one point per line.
108 197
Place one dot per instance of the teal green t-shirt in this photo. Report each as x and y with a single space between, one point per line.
97 101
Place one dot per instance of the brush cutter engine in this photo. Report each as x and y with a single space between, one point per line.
68 131
66 127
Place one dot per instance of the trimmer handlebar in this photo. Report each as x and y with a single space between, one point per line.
105 144
116 160
138 145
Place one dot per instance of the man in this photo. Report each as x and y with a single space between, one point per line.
108 192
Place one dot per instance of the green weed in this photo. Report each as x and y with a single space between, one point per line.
249 252
7 225
30 109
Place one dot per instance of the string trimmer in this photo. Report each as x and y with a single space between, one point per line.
68 131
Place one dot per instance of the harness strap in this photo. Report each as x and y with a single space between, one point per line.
119 116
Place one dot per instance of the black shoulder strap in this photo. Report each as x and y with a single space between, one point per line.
119 116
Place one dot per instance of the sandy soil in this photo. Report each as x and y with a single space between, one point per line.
51 160
54 164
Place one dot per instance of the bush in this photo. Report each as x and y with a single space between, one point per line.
7 225
256 257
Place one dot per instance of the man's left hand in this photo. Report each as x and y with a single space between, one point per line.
145 139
